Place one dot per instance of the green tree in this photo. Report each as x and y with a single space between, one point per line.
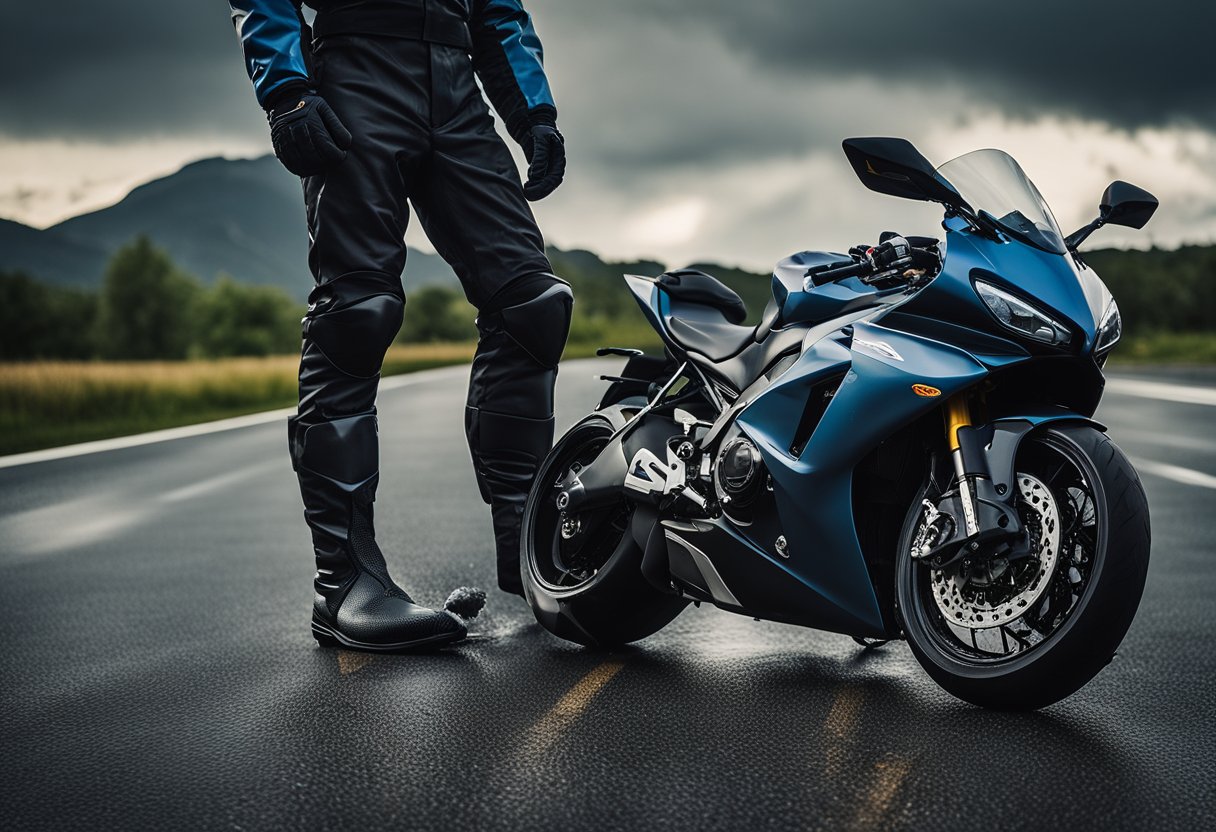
238 319
1161 291
147 305
436 313
41 321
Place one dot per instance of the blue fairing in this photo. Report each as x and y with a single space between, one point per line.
1075 297
270 38
814 490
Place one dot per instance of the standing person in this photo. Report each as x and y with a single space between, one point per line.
379 106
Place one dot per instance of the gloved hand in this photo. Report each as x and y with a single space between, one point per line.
545 148
894 252
307 135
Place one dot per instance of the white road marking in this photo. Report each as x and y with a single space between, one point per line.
67 525
1162 391
1167 440
1177 473
188 431
198 489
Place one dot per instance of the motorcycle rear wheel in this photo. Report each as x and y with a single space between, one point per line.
1072 627
582 574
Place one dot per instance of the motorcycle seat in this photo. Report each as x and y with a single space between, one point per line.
705 316
702 330
692 286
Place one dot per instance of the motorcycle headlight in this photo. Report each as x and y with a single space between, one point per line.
1020 316
1110 329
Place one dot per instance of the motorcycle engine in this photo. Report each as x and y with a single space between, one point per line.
739 473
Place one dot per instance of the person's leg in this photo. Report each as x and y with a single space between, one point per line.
471 204
509 415
357 213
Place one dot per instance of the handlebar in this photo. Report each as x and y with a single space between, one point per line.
895 257
851 270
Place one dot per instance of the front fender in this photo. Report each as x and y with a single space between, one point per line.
1009 430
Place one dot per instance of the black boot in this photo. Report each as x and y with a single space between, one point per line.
357 604
509 418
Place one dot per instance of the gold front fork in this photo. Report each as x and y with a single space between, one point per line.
958 415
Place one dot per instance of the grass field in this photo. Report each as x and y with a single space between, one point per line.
45 404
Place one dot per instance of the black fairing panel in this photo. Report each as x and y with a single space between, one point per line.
742 369
1072 383
764 589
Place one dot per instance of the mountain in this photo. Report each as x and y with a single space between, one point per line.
54 256
243 217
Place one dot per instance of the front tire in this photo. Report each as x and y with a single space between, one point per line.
1072 626
582 574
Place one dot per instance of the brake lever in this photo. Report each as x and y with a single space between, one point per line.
893 272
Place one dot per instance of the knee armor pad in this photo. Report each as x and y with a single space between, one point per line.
354 319
540 325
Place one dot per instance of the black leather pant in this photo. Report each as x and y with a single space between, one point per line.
422 136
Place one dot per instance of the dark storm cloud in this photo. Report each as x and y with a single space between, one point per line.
1129 63
120 68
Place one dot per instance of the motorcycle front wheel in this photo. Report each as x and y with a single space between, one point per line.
1025 634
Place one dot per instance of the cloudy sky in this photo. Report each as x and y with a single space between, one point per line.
697 129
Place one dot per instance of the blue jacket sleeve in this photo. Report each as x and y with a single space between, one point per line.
508 58
270 37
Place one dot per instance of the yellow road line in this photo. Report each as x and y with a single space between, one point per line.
840 722
842 718
351 661
889 774
569 708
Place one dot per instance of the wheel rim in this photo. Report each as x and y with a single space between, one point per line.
567 551
986 611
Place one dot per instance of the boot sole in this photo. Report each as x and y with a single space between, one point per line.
328 637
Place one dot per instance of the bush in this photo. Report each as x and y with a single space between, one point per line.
235 319
1161 291
436 313
147 305
41 321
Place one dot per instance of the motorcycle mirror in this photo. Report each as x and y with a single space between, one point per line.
1122 204
1125 204
895 167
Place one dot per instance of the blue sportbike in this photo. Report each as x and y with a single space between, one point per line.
902 448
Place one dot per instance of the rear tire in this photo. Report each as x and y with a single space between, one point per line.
587 588
1080 632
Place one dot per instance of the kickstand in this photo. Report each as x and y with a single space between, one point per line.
870 643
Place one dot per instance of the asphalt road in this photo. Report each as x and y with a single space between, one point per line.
158 671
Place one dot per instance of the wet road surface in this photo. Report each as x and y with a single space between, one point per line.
158 670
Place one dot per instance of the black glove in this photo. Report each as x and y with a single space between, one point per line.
307 135
894 252
545 148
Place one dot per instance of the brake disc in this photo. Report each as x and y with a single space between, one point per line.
978 593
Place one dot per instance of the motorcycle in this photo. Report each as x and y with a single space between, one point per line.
902 448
